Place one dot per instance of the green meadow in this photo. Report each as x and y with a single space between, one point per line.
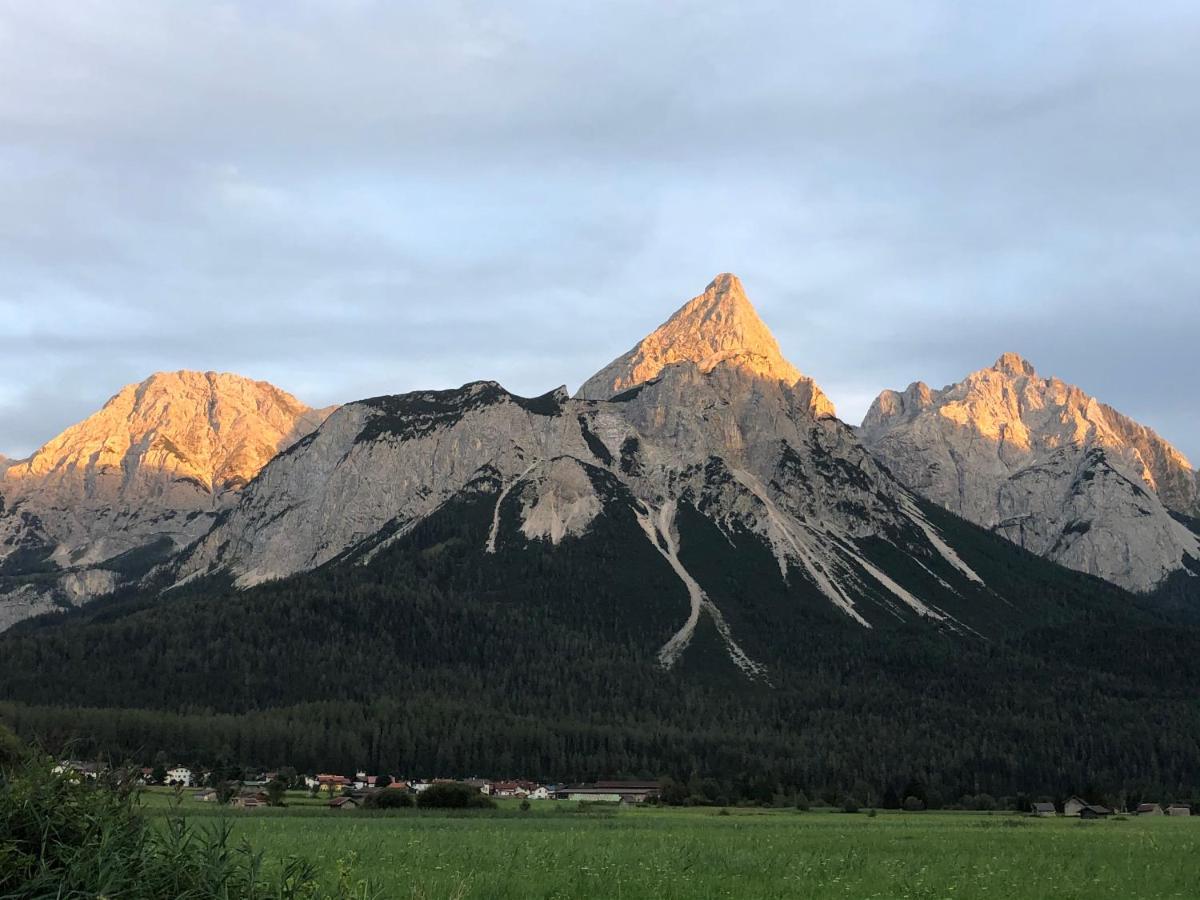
558 850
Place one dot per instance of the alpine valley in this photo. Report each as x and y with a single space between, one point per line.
690 567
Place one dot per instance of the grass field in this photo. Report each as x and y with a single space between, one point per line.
557 851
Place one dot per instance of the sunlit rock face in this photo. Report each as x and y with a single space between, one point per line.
1047 466
153 467
703 418
719 327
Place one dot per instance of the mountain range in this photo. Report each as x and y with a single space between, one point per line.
695 511
216 473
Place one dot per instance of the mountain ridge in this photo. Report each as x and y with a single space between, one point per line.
148 472
1045 464
737 436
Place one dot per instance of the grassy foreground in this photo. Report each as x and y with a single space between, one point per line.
555 851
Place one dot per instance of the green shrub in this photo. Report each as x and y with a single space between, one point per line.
389 799
12 751
63 835
850 805
453 795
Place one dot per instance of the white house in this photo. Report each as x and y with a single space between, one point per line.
541 792
180 775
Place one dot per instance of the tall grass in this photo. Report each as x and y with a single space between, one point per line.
64 836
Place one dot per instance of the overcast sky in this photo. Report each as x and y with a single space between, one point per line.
352 198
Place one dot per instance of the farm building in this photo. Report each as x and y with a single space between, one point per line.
250 800
1044 809
1179 809
611 792
1149 809
1076 806
343 803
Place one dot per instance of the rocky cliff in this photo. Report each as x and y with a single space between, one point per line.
145 475
704 416
719 327
1046 465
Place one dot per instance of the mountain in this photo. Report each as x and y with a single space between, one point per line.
719 327
1048 467
709 428
124 488
691 567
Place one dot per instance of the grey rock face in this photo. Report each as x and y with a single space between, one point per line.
148 473
1047 466
749 450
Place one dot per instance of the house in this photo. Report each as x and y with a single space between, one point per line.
343 803
1149 809
540 793
333 783
180 776
1074 806
1044 809
1094 811
421 786
311 782
205 796
250 800
509 789
1179 809
398 786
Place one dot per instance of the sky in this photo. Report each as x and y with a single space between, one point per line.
354 198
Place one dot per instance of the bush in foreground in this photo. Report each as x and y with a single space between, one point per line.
62 835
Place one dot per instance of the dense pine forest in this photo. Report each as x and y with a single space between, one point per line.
542 663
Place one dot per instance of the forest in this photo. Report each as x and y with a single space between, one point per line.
540 662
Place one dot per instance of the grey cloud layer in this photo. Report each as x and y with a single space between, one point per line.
363 198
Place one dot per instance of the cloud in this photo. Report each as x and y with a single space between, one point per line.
352 199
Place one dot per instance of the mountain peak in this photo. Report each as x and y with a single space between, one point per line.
212 429
717 327
1014 364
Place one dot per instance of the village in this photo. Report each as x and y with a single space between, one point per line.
366 791
268 788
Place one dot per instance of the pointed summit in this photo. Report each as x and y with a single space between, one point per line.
1014 364
719 326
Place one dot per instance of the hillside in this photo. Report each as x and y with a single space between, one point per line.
102 502
691 567
1047 466
543 660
